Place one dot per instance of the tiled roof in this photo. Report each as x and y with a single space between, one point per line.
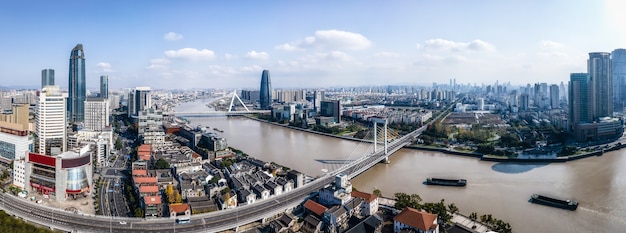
144 180
366 196
138 172
315 207
152 200
145 148
417 219
149 189
179 208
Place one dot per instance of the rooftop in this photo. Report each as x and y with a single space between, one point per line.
366 196
152 200
315 207
417 219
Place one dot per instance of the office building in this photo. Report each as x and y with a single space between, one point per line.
581 103
104 86
266 90
318 96
47 77
331 109
599 70
618 63
554 96
96 114
139 99
77 85
50 121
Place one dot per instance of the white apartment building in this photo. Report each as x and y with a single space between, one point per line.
97 114
15 142
51 122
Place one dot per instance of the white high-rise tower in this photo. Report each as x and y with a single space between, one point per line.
51 121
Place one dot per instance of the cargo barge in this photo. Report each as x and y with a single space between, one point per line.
548 201
445 182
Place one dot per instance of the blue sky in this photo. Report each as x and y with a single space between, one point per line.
226 44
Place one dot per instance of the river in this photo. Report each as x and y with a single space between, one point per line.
500 189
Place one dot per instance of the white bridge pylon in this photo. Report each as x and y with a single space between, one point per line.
232 101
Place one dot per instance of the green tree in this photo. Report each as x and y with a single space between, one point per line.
161 164
405 200
377 192
138 212
452 208
118 144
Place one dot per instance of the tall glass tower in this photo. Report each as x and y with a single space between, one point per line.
618 62
47 77
104 86
580 99
266 90
77 85
599 69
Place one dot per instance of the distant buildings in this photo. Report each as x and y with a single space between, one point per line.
47 77
77 85
266 90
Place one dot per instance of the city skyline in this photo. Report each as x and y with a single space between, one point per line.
226 45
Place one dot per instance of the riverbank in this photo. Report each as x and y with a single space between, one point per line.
309 131
491 158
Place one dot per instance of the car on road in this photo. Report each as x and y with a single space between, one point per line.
123 222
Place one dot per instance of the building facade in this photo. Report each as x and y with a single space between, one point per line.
139 99
50 121
580 99
104 86
554 96
618 63
97 114
331 109
47 77
15 143
599 70
68 175
265 90
77 85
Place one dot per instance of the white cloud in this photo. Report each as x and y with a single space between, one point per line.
452 46
105 66
329 39
158 64
548 44
229 56
172 36
257 55
190 54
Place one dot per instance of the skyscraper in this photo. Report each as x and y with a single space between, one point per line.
618 62
77 85
554 96
599 70
266 90
50 121
581 103
104 86
47 77
139 99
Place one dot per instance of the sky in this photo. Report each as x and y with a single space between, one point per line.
306 44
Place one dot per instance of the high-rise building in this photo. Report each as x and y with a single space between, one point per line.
96 114
19 115
599 70
581 103
50 121
139 99
524 101
104 86
15 142
554 96
318 96
266 90
618 62
331 109
47 77
77 85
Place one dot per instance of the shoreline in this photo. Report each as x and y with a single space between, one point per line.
481 157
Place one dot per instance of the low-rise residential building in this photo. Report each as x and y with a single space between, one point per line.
370 203
152 206
412 219
179 210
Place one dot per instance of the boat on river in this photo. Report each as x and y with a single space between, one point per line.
445 182
553 202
